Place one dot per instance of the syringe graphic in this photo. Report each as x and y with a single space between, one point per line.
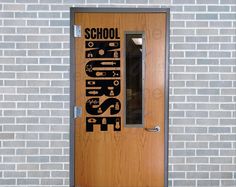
108 63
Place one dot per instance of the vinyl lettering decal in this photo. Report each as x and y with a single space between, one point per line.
102 52
103 122
94 107
96 68
105 87
102 49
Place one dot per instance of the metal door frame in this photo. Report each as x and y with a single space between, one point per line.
73 11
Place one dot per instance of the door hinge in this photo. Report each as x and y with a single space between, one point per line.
77 31
77 111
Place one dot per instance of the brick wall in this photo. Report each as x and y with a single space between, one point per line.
34 91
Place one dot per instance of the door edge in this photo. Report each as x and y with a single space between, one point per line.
73 11
166 113
72 100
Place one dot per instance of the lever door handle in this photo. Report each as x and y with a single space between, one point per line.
155 129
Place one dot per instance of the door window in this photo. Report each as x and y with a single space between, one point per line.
134 67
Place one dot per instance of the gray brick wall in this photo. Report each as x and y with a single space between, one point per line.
34 90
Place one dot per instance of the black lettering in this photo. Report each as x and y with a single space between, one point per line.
87 33
94 107
93 33
109 67
102 49
100 71
99 33
112 35
103 122
108 45
105 33
117 34
106 87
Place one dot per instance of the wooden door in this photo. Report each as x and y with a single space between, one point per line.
107 152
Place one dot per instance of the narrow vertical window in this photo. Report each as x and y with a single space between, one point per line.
134 79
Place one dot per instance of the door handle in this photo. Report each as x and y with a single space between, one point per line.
154 129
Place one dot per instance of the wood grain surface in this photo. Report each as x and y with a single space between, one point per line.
132 157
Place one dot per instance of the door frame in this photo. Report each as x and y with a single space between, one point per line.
73 11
